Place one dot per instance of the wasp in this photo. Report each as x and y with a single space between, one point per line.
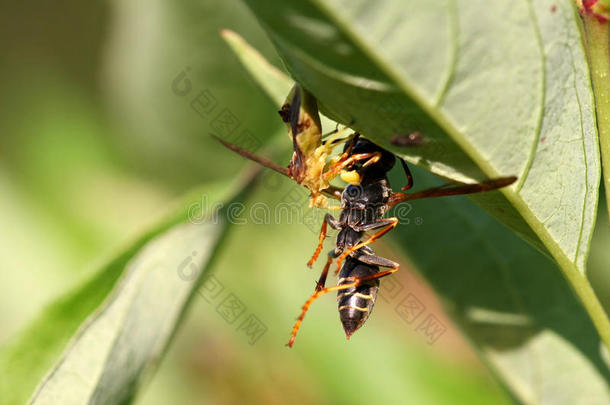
364 202
364 165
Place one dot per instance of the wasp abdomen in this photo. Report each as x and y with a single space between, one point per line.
356 303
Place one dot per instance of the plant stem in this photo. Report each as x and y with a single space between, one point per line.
597 33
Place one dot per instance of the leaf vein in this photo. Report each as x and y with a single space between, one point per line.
454 32
536 140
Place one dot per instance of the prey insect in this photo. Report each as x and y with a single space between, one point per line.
364 203
310 165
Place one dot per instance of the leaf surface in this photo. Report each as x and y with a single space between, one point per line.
511 300
128 312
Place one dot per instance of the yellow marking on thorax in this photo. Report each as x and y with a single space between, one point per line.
352 177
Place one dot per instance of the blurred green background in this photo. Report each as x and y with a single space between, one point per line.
94 145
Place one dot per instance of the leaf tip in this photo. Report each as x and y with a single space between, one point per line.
229 35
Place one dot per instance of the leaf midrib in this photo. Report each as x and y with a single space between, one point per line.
451 66
536 142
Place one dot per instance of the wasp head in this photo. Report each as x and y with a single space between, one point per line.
374 165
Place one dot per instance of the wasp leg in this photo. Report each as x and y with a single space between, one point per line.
322 280
450 189
388 223
355 282
338 131
351 141
330 220
334 131
333 138
375 225
378 261
405 167
336 168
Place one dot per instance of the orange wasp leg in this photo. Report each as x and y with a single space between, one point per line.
336 168
356 282
328 219
320 245
322 280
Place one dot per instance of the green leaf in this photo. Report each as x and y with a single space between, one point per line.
130 330
597 33
509 298
500 95
274 82
488 106
127 312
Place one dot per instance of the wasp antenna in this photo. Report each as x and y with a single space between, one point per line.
452 189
